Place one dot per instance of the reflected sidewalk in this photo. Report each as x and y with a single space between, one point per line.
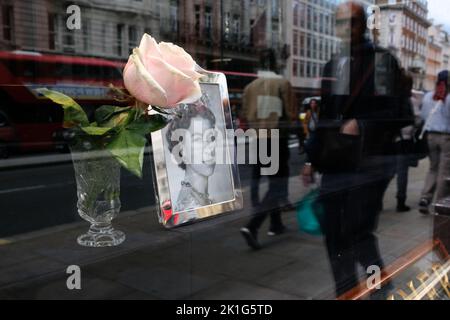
209 260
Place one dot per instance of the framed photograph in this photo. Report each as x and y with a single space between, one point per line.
196 177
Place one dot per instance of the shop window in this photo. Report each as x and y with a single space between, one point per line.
8 23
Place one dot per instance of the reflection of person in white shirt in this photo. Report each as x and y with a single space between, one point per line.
436 114
268 103
198 123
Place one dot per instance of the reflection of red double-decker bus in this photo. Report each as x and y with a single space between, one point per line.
34 118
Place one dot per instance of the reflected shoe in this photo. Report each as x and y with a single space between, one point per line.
251 238
276 231
384 293
424 206
402 207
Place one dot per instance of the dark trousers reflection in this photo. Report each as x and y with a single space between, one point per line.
351 206
277 195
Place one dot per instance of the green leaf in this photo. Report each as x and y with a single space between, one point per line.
118 120
73 113
105 113
133 116
95 131
128 148
58 97
150 124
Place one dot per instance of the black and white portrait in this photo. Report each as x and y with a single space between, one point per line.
195 148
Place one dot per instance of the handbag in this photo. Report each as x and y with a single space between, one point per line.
332 151
309 213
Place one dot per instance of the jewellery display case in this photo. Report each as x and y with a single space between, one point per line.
421 274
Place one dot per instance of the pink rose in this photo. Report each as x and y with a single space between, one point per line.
162 74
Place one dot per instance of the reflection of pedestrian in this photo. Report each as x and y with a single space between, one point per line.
300 135
404 143
365 112
268 104
436 113
311 118
310 123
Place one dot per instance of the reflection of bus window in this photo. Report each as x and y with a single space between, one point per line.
107 73
46 69
29 69
80 71
95 72
3 121
11 65
63 70
113 73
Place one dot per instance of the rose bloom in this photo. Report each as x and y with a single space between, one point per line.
162 74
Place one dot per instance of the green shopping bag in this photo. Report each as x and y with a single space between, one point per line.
308 214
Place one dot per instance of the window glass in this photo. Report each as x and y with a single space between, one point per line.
322 158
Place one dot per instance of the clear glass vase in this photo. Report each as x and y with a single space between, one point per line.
97 175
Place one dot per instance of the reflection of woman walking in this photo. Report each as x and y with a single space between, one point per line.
311 118
310 124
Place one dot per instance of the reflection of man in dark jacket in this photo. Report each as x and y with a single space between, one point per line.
360 88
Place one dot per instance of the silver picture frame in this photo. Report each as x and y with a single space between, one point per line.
167 176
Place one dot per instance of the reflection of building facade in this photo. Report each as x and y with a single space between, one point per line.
445 43
108 28
219 33
434 57
223 34
438 55
311 33
403 30
311 28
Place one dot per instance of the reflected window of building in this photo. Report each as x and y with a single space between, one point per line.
132 38
8 22
86 34
173 16
52 31
208 22
119 39
197 21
